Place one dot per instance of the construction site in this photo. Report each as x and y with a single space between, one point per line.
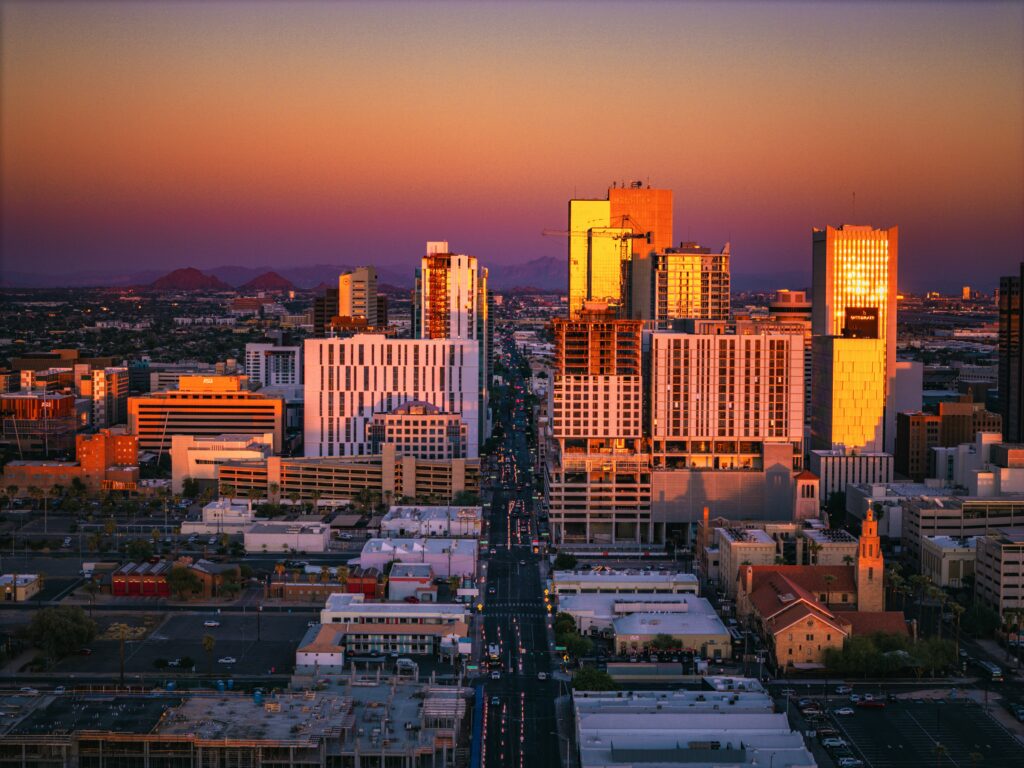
357 723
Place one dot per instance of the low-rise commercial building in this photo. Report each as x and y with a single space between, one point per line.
222 516
958 517
423 628
284 536
947 561
608 581
413 582
453 522
448 557
737 546
19 587
141 580
737 728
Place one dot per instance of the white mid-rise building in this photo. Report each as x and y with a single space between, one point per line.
271 366
223 516
349 381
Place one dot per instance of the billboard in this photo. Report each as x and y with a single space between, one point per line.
860 323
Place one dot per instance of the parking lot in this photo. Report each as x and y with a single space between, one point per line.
259 645
958 733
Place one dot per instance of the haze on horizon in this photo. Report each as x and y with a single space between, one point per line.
152 135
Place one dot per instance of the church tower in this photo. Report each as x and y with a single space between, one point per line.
870 567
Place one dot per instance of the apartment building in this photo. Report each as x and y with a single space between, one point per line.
689 281
420 628
351 381
269 365
205 405
420 429
357 295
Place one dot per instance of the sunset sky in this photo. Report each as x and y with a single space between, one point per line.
148 135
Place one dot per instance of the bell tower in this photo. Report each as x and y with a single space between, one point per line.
870 567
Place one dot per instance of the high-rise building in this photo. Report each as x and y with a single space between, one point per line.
607 236
272 366
351 381
357 294
325 308
450 302
717 399
107 388
103 451
854 273
848 394
204 405
1011 361
687 282
597 475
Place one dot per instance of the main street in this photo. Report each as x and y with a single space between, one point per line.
519 705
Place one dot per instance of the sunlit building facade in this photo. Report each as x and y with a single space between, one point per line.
357 294
450 301
686 282
848 394
854 282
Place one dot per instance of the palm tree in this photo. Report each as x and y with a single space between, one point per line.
958 611
36 494
91 588
830 579
274 492
847 560
12 494
230 491
209 642
814 548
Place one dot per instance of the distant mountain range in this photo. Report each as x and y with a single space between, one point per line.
547 274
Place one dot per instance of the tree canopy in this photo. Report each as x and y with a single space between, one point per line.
61 630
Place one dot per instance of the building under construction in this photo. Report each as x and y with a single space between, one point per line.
383 724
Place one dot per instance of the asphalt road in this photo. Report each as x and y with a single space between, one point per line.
519 712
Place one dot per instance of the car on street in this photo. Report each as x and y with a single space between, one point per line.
67 542
227 660
26 691
495 701
211 623
212 540
60 689
855 697
850 762
542 675
174 663
868 697
495 675
833 743
494 551
843 689
844 711
805 702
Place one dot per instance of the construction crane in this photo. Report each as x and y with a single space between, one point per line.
598 232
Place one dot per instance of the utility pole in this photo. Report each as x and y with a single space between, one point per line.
122 654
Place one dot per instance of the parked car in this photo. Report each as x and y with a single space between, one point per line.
855 697
174 663
850 762
26 691
844 711
542 675
495 675
227 660
833 743
211 623
843 689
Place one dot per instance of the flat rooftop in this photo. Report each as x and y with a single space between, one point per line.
746 536
413 547
289 717
422 513
952 542
669 624
826 536
623 575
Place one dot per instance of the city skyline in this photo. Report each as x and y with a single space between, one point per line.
151 135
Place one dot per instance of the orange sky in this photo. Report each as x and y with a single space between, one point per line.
207 134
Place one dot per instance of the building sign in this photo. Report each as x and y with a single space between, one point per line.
861 323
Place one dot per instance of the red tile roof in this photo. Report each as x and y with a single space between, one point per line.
870 622
810 577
